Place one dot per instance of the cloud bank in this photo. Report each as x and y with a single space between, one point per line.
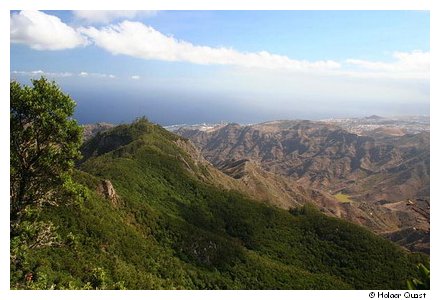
141 41
41 31
413 64
38 73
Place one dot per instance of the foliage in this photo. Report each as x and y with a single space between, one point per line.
421 283
44 144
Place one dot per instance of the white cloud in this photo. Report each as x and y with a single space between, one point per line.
138 40
38 73
96 75
413 64
61 74
135 77
41 31
107 16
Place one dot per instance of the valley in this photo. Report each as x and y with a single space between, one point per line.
379 181
358 169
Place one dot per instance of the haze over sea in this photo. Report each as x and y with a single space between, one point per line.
172 108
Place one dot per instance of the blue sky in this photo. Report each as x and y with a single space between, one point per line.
242 66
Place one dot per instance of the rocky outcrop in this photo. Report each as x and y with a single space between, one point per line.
90 130
107 190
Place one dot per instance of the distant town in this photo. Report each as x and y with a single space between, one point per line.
390 126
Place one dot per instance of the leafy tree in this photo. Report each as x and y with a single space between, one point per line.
44 144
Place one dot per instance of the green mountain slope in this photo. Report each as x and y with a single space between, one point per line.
166 228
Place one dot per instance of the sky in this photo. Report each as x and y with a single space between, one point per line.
236 66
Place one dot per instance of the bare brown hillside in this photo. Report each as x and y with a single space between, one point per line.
380 182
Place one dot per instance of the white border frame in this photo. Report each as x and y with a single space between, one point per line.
7 5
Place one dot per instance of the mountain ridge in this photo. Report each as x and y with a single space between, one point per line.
171 229
372 171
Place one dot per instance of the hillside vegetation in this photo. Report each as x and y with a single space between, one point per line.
165 228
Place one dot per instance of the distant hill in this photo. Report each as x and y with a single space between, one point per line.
373 117
373 172
159 216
